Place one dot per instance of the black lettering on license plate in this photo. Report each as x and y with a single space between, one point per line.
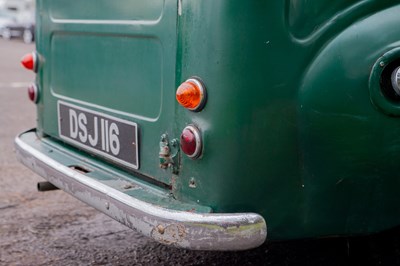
108 136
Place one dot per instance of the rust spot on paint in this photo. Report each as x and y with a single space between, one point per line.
170 234
160 229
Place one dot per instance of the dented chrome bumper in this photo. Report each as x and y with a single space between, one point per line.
199 231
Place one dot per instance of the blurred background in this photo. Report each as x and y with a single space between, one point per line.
17 19
54 228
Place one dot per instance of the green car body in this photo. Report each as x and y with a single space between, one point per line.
297 129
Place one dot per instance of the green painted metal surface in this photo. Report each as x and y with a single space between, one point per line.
292 128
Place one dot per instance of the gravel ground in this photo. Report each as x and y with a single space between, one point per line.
53 228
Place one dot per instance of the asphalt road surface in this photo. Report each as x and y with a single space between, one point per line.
53 228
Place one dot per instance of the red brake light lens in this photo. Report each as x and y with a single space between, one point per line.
29 61
191 94
33 93
191 143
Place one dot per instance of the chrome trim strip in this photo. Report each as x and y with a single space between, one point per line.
215 231
203 94
199 141
35 62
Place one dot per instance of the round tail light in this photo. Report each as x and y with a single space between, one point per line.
29 61
191 94
191 143
33 93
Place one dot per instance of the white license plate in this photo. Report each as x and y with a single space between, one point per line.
111 137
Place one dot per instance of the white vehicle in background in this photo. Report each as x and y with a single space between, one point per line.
17 19
7 19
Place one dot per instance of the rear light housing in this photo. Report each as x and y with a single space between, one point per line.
33 93
191 142
192 95
30 61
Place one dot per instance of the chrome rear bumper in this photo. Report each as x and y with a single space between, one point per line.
199 231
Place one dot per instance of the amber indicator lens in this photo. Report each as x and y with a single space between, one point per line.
29 61
191 143
191 94
33 93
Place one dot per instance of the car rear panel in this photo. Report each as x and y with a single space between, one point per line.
116 58
289 128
